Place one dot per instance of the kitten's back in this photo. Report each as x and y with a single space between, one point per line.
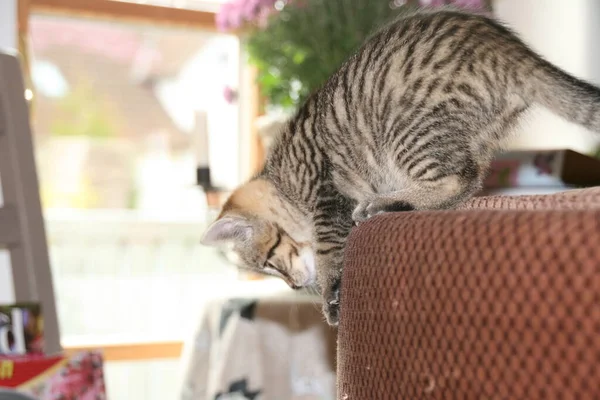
537 80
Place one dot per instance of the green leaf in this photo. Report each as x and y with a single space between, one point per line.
303 46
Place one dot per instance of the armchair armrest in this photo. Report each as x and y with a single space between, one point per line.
474 303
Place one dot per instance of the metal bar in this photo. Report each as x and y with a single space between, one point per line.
10 233
29 260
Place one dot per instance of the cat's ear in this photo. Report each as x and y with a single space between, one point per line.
227 229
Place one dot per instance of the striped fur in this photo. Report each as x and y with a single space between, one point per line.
410 122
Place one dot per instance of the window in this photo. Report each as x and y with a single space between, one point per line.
117 111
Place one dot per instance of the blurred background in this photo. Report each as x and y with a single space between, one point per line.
145 114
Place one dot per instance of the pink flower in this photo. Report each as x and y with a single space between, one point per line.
469 3
432 2
250 9
472 4
222 18
81 378
229 94
230 16
235 13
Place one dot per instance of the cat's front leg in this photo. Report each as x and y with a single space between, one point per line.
332 225
329 274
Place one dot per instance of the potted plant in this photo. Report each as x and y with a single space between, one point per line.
297 44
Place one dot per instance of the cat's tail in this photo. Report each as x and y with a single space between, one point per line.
571 98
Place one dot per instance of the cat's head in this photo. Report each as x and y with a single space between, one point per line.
268 235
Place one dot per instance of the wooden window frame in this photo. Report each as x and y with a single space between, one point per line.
130 351
118 11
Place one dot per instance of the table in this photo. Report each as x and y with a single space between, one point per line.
276 346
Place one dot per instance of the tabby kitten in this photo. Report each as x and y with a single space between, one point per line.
410 122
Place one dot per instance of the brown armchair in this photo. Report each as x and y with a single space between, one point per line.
498 300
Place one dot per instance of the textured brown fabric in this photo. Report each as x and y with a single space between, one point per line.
581 199
475 304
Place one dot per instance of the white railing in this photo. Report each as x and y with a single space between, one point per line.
121 273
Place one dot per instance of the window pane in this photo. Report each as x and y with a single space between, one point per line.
116 109
117 112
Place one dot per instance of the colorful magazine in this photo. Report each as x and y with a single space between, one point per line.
21 330
76 377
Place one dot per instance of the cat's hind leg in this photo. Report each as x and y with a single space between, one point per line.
442 193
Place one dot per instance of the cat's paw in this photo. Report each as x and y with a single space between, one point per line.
362 212
332 313
331 305
378 205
